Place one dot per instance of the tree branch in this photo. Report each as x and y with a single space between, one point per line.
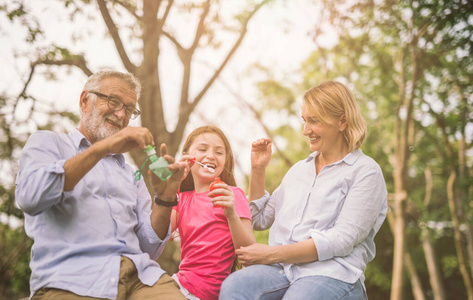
200 27
130 8
243 32
113 30
259 118
162 21
173 40
77 61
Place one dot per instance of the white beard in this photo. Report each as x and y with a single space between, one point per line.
96 127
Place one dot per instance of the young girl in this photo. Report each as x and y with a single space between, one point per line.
211 224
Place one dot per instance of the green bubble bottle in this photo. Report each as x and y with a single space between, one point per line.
158 165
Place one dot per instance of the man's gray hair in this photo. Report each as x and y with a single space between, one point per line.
94 81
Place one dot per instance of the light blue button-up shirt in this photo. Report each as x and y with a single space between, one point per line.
341 209
80 235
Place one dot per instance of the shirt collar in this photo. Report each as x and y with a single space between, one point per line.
349 159
79 140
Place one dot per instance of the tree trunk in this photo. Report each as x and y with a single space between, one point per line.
398 229
435 275
469 243
417 290
459 243
464 188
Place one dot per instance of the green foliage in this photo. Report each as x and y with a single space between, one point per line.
141 31
14 262
276 96
59 53
374 57
378 272
378 44
16 11
261 236
14 248
7 203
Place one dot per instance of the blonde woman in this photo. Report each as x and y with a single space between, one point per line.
324 215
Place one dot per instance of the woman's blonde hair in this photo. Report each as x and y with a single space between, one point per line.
332 100
227 175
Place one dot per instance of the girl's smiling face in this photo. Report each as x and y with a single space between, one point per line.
208 149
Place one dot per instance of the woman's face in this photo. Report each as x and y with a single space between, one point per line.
323 138
209 149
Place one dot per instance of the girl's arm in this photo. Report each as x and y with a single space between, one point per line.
241 231
240 228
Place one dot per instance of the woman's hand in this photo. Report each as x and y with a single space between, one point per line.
296 253
260 153
255 254
260 157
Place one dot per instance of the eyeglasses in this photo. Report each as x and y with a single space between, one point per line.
116 105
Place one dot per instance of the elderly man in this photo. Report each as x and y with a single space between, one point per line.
95 233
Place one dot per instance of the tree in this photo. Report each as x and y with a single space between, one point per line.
142 33
396 42
404 60
150 26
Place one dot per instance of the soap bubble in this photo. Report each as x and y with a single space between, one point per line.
422 225
412 148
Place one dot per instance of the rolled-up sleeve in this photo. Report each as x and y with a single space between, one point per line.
149 240
360 212
263 211
40 180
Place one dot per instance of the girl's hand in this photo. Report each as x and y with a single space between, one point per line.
223 196
260 153
189 160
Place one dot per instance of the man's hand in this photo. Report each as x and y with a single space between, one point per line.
123 141
127 139
167 190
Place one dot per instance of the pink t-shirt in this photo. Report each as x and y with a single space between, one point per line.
207 251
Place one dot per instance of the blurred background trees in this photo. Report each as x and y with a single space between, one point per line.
408 62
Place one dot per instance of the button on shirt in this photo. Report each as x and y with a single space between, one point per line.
341 209
80 235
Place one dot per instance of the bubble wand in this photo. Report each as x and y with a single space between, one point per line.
210 169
